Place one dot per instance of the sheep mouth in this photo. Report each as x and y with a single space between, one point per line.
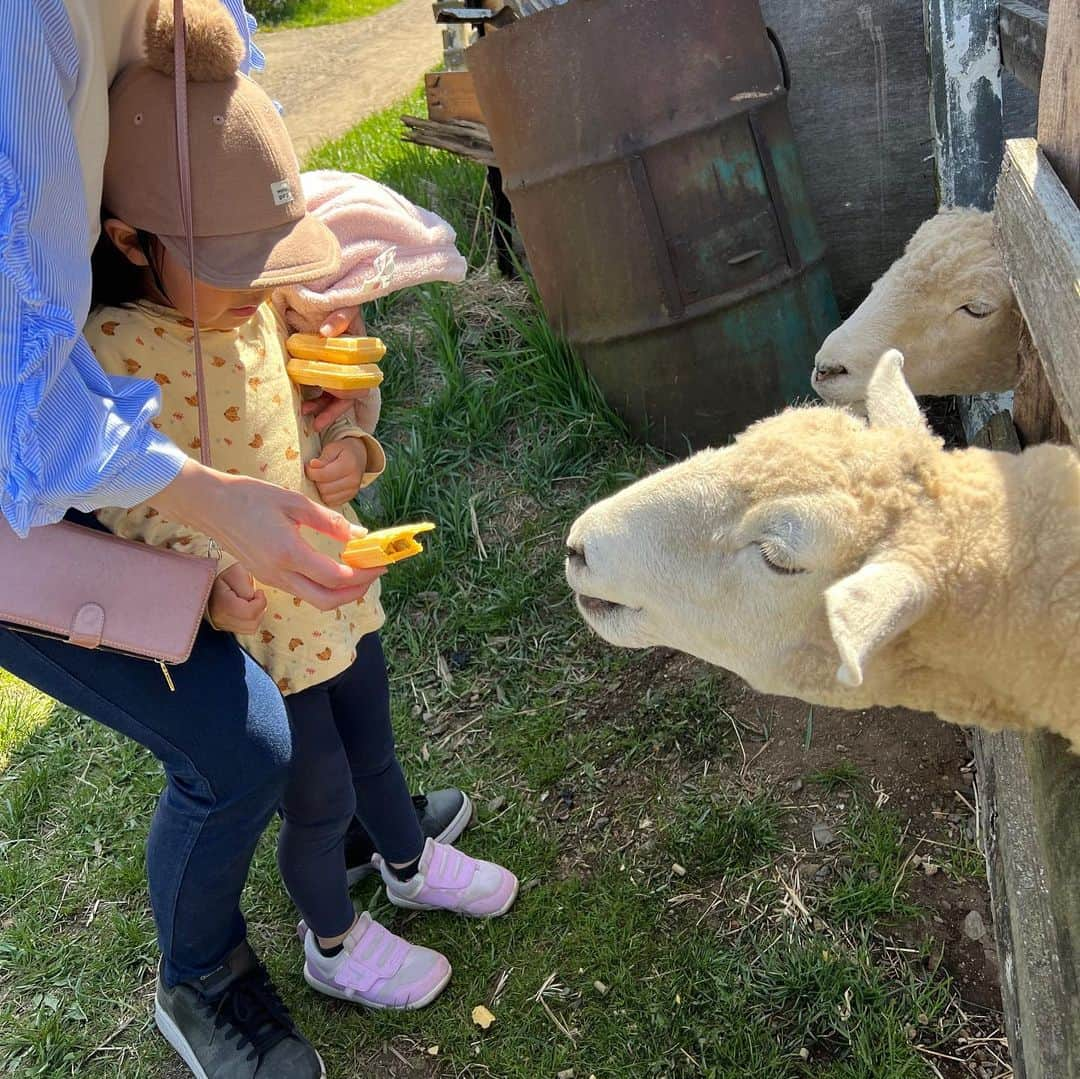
595 607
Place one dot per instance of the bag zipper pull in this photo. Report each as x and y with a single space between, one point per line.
213 550
168 677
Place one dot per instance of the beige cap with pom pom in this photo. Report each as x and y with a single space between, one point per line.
251 227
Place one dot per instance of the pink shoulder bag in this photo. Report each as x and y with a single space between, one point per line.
94 589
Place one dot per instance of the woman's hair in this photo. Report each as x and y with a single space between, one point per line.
116 279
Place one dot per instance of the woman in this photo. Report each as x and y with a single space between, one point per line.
72 438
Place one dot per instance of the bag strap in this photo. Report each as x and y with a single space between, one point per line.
183 156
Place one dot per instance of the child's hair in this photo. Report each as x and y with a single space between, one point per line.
116 279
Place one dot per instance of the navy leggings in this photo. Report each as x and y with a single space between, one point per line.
343 765
223 739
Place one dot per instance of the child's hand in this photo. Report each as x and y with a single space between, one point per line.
236 605
338 472
331 405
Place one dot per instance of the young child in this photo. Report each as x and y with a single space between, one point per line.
252 234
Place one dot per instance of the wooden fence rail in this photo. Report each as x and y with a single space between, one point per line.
1022 30
1038 231
1029 787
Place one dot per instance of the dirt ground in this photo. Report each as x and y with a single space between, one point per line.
919 767
329 78
923 767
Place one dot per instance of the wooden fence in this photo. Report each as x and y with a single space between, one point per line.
1029 787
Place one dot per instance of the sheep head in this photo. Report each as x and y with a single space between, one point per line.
946 304
784 557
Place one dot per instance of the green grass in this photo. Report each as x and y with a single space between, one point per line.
594 770
283 14
715 835
872 886
841 775
21 712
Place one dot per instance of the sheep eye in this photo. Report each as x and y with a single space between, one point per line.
776 567
978 309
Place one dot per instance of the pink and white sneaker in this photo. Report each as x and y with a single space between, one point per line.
449 880
375 968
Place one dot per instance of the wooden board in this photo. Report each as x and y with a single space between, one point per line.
451 96
461 137
1034 410
1059 94
1031 785
1036 947
1038 227
1022 29
1028 792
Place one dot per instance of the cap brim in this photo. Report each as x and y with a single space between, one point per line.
301 251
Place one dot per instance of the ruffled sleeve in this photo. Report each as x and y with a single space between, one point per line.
69 435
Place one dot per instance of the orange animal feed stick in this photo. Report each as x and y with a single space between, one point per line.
385 547
344 350
334 376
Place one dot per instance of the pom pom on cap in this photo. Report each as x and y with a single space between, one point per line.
213 46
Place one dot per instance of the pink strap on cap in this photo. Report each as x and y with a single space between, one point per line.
183 155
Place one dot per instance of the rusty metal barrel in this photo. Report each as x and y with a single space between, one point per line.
647 153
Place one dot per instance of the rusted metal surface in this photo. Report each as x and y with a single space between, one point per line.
647 152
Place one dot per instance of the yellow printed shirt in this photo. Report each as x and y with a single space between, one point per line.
256 429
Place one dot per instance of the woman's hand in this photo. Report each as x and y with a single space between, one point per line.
236 605
259 524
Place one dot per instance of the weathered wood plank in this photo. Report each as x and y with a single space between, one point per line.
1035 990
457 136
1059 95
452 96
965 98
1022 29
1038 227
1035 412
1028 793
1034 782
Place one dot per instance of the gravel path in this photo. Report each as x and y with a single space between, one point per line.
329 78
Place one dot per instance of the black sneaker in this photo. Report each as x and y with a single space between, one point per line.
232 1025
444 815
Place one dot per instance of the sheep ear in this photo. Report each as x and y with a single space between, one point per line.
889 401
870 608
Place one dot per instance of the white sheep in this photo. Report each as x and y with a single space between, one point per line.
854 563
946 304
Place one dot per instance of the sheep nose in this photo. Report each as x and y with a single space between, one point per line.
575 554
826 370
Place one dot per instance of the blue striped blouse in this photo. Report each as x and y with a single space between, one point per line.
70 436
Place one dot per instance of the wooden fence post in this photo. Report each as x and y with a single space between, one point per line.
966 121
1029 787
1037 415
965 99
1059 95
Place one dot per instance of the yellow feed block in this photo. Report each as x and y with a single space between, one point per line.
385 547
346 350
334 376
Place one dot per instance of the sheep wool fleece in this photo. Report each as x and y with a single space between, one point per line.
256 430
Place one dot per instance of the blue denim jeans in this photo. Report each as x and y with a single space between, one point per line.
223 740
